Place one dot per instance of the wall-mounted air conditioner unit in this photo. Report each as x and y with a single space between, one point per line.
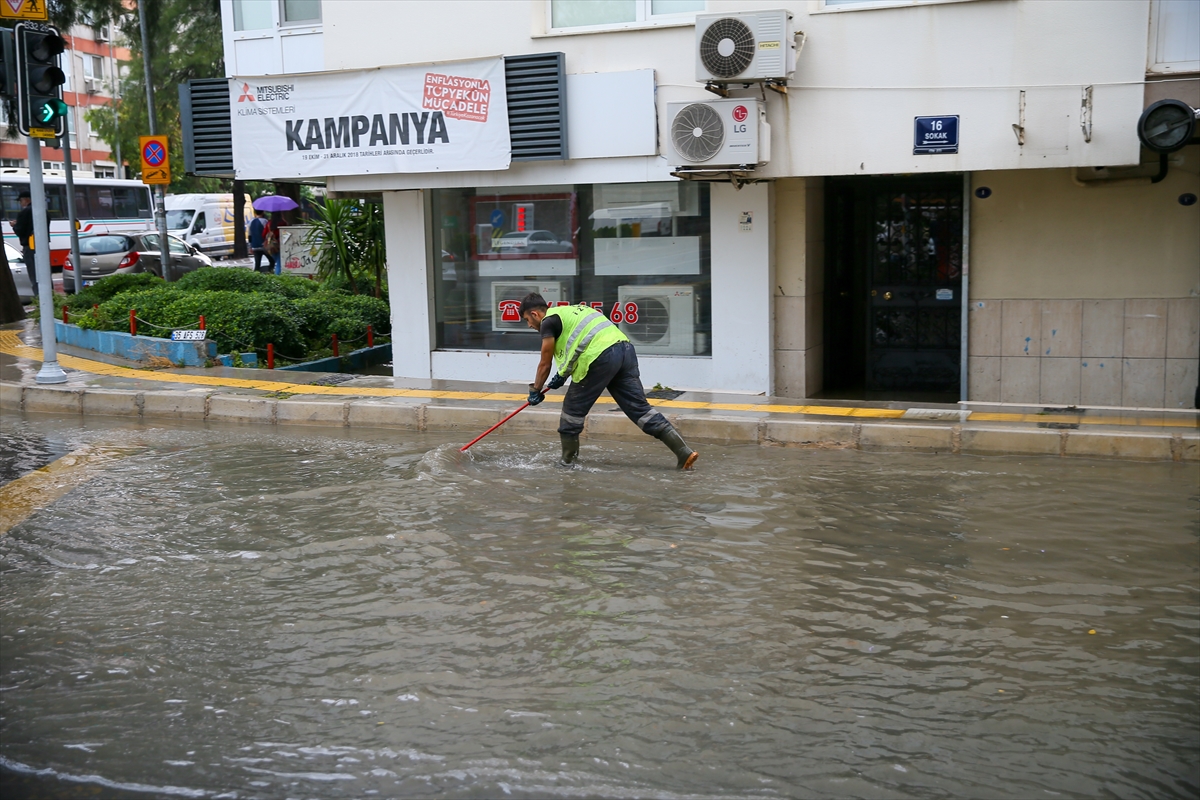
718 133
507 297
91 85
666 319
102 33
744 47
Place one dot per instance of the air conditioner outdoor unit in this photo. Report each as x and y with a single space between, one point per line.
718 133
746 46
91 85
507 297
102 34
666 319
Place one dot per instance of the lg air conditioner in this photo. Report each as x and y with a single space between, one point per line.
507 297
665 319
745 47
718 134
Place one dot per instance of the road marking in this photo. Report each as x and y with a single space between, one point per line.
32 492
11 344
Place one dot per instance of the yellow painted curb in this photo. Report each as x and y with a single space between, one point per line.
36 490
11 344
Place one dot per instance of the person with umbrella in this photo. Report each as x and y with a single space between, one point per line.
270 230
258 232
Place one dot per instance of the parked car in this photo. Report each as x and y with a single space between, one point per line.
527 242
16 265
117 253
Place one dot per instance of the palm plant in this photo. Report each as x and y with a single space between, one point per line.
332 233
369 235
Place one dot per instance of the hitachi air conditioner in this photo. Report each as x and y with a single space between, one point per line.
665 321
718 133
507 297
744 47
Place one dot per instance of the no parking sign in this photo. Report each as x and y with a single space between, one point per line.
156 164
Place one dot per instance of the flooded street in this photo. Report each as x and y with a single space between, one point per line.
252 613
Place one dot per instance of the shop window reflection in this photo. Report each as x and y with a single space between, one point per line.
639 253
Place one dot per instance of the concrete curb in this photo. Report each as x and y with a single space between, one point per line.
403 414
135 348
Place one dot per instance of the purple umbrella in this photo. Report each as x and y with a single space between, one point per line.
275 202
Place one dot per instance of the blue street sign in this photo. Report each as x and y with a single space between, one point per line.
933 135
497 218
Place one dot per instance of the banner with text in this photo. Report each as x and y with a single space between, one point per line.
433 118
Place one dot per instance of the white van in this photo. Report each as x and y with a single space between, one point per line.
205 220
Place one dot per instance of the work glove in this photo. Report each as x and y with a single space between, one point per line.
535 396
556 381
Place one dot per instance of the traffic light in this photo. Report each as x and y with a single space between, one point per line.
41 112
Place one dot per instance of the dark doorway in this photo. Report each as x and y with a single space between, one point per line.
893 280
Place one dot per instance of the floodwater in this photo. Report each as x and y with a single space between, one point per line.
249 613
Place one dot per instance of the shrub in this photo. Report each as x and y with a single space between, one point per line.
327 313
243 310
247 281
108 288
113 314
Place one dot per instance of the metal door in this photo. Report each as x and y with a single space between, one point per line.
914 281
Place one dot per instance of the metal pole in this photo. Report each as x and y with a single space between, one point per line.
965 291
72 217
160 211
50 372
116 97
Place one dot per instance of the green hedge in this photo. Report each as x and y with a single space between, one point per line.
243 310
246 281
110 287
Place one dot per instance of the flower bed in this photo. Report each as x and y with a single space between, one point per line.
243 311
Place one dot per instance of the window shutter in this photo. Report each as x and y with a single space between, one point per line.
205 122
537 106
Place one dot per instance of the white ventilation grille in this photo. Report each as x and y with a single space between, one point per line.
698 132
772 60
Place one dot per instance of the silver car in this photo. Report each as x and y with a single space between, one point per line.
121 253
20 273
523 243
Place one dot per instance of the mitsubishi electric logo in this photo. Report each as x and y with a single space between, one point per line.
266 100
266 94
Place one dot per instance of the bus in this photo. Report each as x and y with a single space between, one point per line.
102 205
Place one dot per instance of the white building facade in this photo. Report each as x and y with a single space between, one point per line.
1046 260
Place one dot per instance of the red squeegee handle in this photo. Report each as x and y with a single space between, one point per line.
463 449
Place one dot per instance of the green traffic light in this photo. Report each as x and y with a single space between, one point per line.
49 110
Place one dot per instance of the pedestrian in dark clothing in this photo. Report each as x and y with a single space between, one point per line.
23 230
258 230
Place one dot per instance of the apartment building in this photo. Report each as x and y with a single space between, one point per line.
949 199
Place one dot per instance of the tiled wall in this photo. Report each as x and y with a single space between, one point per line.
1140 353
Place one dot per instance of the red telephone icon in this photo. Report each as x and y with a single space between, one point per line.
510 310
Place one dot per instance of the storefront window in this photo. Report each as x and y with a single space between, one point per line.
640 253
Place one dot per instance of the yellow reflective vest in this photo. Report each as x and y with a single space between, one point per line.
585 335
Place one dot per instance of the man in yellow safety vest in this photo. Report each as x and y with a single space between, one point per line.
595 355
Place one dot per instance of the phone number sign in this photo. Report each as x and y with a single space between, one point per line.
935 135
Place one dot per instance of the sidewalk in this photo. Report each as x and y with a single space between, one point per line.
256 396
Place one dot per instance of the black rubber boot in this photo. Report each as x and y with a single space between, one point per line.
570 445
686 455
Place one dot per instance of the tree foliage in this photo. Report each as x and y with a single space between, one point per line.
185 43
